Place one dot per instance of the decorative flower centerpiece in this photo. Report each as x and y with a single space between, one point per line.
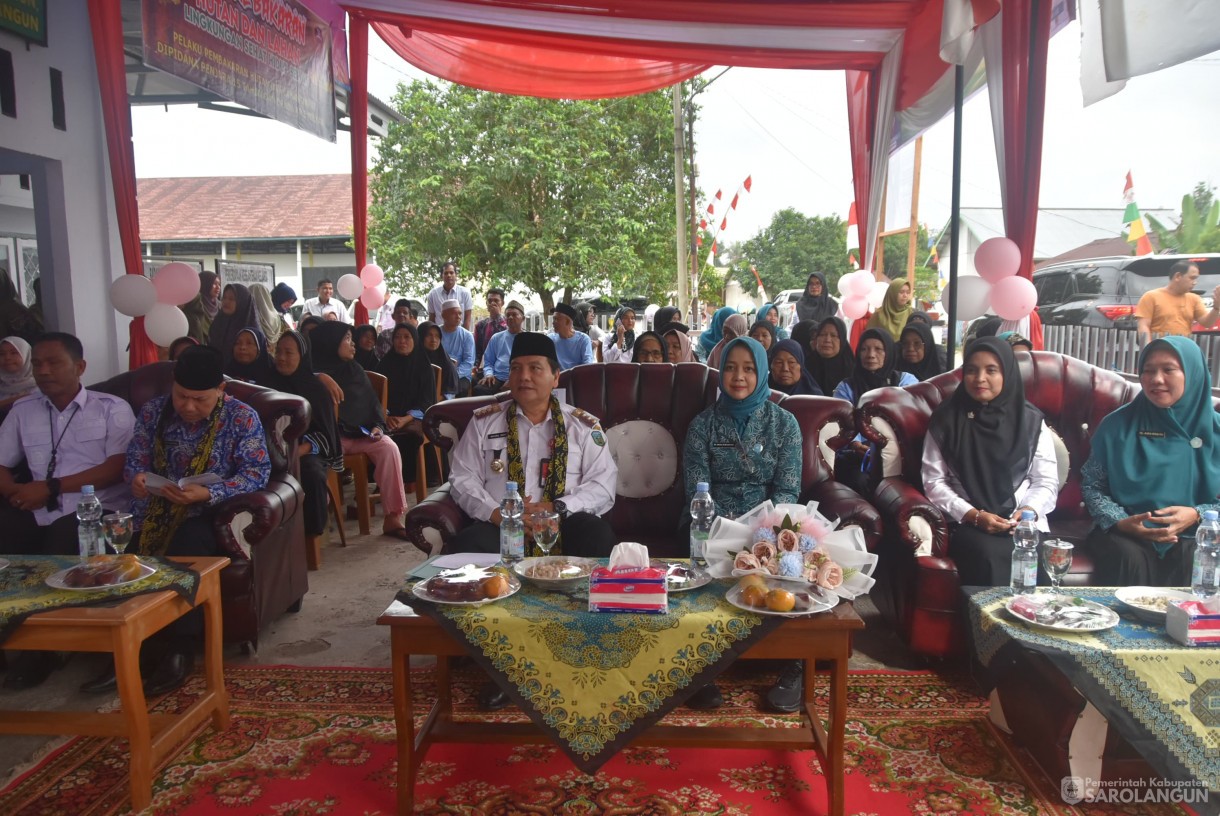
793 542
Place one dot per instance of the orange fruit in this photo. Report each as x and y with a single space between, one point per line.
780 600
495 586
753 595
753 579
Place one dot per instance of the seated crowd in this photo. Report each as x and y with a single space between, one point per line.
1154 468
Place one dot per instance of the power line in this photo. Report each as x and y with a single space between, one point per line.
775 139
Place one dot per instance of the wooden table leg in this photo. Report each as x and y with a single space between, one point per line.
836 727
400 661
213 660
135 714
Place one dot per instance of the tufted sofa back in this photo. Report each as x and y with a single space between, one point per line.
1073 395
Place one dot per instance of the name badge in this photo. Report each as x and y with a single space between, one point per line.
1153 434
500 435
724 444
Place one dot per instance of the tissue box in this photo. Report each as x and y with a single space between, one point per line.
1191 623
628 589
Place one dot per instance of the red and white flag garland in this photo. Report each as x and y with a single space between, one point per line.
724 221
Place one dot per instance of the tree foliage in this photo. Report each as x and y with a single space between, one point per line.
1197 230
559 196
789 249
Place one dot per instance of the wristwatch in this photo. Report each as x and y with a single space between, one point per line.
52 494
560 508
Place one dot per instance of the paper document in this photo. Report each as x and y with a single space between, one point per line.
156 483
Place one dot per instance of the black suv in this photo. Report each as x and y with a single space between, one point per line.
1104 292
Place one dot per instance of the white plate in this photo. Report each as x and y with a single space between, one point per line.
472 573
1108 619
4 562
1128 595
56 580
685 579
580 567
818 604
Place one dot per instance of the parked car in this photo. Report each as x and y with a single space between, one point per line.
1103 292
785 303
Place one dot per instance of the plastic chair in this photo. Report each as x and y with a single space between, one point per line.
359 463
421 472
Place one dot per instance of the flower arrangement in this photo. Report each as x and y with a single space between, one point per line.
789 548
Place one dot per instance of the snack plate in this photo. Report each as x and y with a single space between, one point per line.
680 575
56 580
4 562
1128 596
1108 620
817 602
584 566
419 590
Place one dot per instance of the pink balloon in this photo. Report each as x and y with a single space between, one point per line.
177 283
372 299
855 306
996 259
861 283
371 275
1013 298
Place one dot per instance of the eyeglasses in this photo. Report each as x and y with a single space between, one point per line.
911 344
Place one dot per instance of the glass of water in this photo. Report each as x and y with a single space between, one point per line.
1056 560
117 529
545 526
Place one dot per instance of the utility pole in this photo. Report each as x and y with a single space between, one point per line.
694 223
679 196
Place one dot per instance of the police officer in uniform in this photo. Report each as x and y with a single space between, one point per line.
556 453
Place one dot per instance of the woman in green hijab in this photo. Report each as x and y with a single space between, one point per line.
894 311
1154 470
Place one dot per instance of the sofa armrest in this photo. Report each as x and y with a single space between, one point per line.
837 499
914 520
435 521
268 508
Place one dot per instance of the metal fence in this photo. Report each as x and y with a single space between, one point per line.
1117 349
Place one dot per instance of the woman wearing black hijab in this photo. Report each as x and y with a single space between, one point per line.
412 391
321 448
788 372
248 359
815 304
430 339
765 334
365 338
917 352
362 423
237 312
988 455
649 348
828 354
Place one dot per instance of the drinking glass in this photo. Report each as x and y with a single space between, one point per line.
546 530
1056 560
117 529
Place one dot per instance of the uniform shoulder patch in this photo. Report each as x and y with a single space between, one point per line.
585 417
488 410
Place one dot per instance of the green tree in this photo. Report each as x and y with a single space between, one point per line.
789 249
1197 230
561 196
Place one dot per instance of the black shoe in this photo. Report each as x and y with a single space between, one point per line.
29 669
706 698
171 673
492 698
102 683
788 692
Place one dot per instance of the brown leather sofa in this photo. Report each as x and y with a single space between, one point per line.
267 573
646 410
922 593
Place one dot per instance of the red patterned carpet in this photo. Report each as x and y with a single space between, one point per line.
306 742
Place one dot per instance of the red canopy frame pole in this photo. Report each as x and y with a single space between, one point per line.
358 113
106 19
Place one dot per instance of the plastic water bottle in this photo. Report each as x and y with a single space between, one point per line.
1025 555
89 524
512 528
702 514
1205 579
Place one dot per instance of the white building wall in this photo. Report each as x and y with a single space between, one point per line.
285 265
87 252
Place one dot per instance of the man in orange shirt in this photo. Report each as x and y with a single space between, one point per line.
1174 308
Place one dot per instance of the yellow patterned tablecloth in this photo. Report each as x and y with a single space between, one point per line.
596 680
24 592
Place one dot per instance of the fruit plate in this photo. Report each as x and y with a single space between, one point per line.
809 601
462 574
1150 603
681 575
56 580
571 572
1061 613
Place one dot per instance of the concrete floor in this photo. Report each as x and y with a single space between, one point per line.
336 627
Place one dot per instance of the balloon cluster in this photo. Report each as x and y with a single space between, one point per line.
861 292
997 285
369 286
157 300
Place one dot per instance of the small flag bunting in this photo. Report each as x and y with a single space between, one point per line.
747 183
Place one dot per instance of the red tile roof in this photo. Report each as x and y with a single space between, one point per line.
212 208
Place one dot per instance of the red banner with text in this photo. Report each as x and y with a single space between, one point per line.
273 56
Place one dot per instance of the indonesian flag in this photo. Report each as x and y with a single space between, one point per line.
702 223
853 233
724 223
733 203
851 259
748 182
719 194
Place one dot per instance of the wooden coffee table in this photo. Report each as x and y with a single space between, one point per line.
824 637
121 629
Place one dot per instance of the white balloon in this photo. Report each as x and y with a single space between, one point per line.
876 295
649 311
133 295
350 286
844 284
973 297
165 323
861 283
